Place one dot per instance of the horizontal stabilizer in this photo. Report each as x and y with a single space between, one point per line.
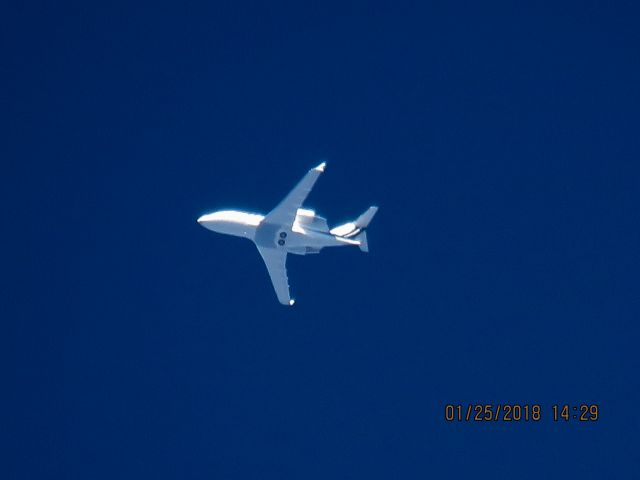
364 219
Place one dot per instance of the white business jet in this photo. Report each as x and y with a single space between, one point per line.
289 228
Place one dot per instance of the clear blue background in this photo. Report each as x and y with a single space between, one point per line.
500 141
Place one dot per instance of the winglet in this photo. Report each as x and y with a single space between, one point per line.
321 167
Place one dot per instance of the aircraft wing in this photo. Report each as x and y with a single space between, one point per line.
276 260
285 212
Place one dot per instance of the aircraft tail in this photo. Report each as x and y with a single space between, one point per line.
362 238
356 230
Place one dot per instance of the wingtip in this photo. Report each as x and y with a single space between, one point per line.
321 167
291 302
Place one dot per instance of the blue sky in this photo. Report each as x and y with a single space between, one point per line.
500 142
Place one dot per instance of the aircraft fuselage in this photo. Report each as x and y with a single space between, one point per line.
295 239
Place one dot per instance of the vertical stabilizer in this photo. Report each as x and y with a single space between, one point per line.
362 238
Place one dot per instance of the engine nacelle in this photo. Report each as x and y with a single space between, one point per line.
308 219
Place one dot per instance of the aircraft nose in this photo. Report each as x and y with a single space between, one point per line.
210 222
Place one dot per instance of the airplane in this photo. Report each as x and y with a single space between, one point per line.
289 228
